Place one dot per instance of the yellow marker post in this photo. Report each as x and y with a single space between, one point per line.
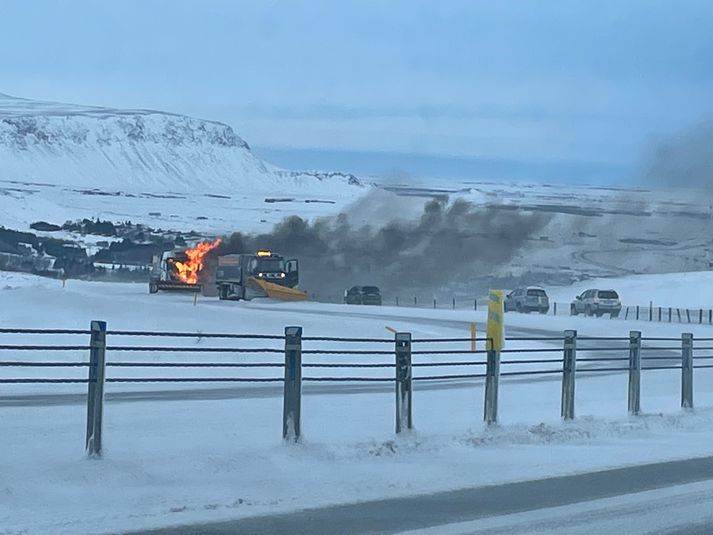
495 329
472 337
496 340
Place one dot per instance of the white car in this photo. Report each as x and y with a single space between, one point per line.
528 299
596 303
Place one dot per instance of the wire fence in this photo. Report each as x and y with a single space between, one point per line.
650 312
60 356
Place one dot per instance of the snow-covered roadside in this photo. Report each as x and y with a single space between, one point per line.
692 289
179 462
188 461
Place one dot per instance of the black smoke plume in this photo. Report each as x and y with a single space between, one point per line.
450 242
685 160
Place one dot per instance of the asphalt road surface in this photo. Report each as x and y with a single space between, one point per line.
671 497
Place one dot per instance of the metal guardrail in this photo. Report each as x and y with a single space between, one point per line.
363 360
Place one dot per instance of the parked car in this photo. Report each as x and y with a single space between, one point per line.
370 295
596 303
363 295
527 299
352 296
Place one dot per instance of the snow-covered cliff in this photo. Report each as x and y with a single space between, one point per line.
95 147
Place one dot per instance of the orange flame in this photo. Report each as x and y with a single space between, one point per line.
188 271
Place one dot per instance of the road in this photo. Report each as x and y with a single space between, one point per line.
272 390
670 497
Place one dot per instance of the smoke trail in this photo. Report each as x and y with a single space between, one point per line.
449 242
685 160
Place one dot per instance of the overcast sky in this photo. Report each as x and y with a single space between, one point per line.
537 80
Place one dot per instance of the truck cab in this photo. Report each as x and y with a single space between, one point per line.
235 270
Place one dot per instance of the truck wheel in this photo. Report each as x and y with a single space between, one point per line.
222 293
573 311
153 287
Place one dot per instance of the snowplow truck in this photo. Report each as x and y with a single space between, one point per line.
263 274
165 274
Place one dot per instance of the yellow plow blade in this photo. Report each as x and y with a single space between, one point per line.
283 293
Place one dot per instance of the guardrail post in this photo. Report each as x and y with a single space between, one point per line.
568 370
492 381
95 390
404 416
687 371
634 372
292 401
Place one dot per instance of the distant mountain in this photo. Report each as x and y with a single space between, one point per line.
89 146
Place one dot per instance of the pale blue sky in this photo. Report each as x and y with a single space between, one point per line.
594 81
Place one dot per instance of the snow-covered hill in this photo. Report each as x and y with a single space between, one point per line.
96 147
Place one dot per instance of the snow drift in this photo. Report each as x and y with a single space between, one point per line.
70 145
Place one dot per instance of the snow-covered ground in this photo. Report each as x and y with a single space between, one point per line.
205 212
691 290
173 462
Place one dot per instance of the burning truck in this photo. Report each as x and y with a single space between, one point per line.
236 276
180 270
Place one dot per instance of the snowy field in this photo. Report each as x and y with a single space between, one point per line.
211 212
692 290
589 231
170 462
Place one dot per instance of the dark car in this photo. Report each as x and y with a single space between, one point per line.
370 295
527 300
352 296
362 295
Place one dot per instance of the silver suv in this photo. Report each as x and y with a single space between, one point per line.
527 300
596 303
